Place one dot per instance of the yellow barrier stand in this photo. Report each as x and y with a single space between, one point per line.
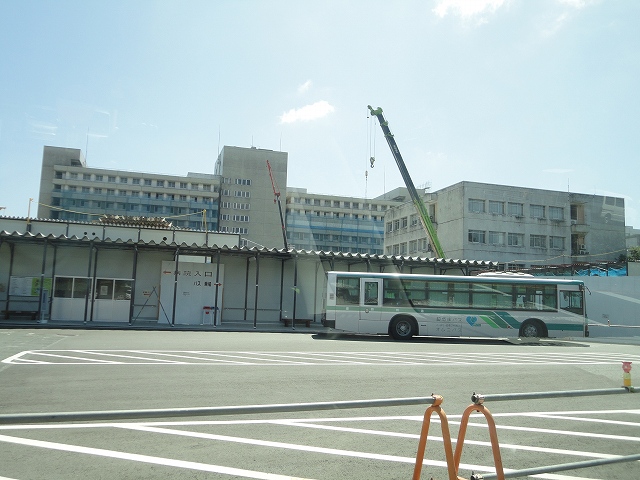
446 437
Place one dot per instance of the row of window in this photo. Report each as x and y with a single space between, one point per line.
136 181
237 193
404 222
235 205
515 209
239 230
356 216
235 218
516 239
237 181
129 207
339 204
423 293
410 248
328 237
130 193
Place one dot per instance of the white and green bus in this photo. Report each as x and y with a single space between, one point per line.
454 306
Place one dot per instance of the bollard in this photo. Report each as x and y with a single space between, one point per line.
626 374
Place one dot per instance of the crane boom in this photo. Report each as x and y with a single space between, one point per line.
417 201
276 194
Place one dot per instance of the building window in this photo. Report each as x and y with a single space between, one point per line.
171 184
86 176
396 225
124 180
111 178
147 182
496 208
537 211
183 184
538 241
58 175
159 183
496 238
347 204
413 220
557 243
97 191
404 222
516 209
476 236
476 206
73 176
72 188
99 178
183 198
389 227
111 191
86 190
556 213
243 181
515 239
135 181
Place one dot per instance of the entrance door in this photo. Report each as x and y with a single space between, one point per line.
370 306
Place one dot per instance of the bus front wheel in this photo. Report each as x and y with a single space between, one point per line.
402 328
533 328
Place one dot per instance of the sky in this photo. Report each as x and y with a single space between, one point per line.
538 94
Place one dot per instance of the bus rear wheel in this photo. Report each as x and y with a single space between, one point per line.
402 328
533 328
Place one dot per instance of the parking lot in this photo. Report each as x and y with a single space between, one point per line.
64 371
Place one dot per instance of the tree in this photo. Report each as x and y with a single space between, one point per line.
634 254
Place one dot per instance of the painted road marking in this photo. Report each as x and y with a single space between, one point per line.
337 424
200 357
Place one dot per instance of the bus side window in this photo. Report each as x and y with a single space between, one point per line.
572 302
347 291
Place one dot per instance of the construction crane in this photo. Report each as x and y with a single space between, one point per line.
417 201
276 194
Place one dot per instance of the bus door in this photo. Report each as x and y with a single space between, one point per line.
371 306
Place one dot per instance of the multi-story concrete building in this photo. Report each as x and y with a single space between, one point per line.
338 224
246 202
70 190
520 227
238 198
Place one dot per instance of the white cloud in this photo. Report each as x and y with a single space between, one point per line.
308 112
467 8
304 87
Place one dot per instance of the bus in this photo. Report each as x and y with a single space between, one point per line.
500 306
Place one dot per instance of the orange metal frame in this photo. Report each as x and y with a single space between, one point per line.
453 459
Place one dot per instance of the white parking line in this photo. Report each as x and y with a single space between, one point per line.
178 357
168 462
